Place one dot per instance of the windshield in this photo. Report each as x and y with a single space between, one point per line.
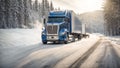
55 19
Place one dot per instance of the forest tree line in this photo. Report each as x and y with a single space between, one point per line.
22 13
112 17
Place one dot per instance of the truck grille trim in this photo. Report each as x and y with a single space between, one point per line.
52 29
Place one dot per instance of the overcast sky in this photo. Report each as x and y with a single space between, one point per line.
79 6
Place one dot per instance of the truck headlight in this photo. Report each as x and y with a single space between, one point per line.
43 33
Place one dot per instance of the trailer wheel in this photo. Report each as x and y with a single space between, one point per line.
44 42
73 38
79 37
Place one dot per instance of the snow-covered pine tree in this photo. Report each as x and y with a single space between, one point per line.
8 13
112 17
21 13
36 5
2 14
51 6
17 13
30 3
26 13
39 9
45 8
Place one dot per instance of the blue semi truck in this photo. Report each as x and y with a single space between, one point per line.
61 26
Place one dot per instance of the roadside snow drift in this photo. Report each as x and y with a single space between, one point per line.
115 39
19 37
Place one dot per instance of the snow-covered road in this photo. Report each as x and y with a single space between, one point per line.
23 49
104 56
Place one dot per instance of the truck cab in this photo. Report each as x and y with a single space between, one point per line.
57 27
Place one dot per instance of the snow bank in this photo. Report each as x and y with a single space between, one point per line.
115 39
19 37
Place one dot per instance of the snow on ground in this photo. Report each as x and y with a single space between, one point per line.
13 54
67 54
81 48
21 47
114 39
19 37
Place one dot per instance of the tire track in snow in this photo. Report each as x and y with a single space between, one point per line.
110 58
82 59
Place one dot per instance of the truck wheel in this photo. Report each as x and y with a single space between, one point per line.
66 41
44 42
54 42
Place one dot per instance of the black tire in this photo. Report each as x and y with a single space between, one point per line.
66 42
44 42
54 42
79 37
73 38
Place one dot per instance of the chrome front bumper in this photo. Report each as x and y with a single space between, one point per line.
52 37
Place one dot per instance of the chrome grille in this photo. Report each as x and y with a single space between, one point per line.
52 29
